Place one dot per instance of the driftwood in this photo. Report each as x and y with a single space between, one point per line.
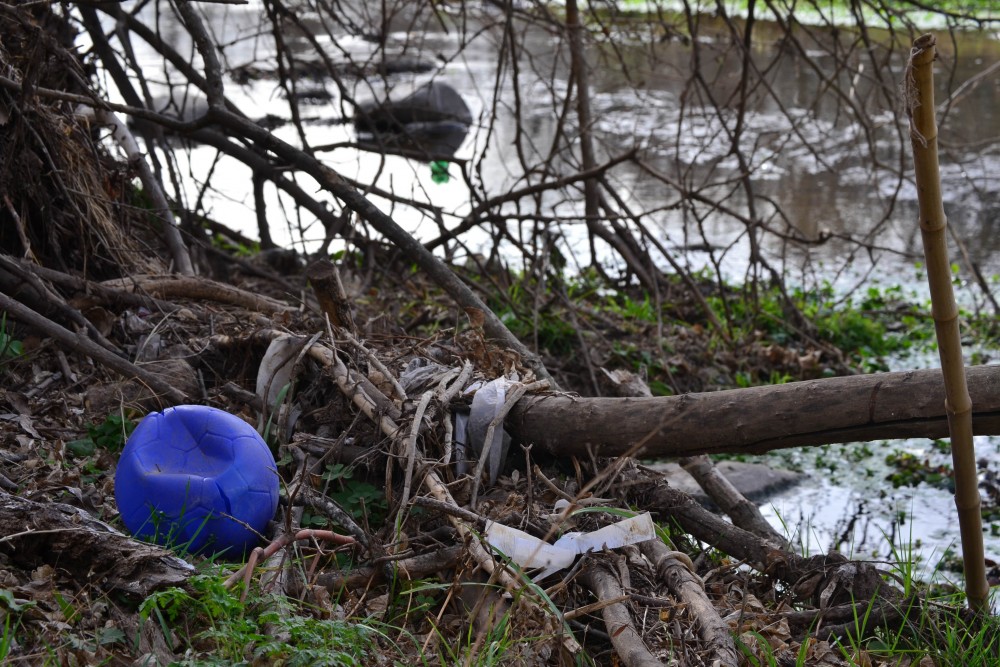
702 469
89 549
689 588
736 506
170 287
814 412
626 639
823 580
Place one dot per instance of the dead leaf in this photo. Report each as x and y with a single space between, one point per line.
476 317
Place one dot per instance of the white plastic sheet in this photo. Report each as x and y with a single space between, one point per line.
531 552
486 405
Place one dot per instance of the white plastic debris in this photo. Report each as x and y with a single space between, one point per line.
461 441
486 405
275 371
530 552
527 550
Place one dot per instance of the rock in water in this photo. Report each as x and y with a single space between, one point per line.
432 120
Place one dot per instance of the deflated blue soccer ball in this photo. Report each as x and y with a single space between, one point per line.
198 478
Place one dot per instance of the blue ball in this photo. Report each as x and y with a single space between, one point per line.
199 478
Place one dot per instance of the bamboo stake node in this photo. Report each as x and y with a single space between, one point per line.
918 92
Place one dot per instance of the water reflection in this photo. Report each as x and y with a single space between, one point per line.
827 157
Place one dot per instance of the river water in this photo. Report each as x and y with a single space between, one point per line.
823 165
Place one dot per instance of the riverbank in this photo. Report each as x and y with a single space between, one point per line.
627 216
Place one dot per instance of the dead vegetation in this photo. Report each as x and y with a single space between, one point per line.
384 523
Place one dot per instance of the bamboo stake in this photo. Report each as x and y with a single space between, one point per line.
919 91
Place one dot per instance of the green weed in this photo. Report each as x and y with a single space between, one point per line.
110 434
11 609
631 309
365 502
911 470
237 249
219 629
10 347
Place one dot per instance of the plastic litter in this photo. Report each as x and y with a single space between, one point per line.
486 405
530 552
275 370
199 478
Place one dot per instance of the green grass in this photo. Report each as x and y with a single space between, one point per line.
217 628
936 624
936 628
12 611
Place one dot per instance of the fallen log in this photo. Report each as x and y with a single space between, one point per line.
856 408
92 551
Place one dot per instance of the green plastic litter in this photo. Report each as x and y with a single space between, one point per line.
439 171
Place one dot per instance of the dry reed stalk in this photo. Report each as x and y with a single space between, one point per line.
919 91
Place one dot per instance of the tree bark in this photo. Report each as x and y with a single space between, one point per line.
90 550
690 591
857 408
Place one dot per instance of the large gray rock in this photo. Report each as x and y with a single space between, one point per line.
755 481
433 119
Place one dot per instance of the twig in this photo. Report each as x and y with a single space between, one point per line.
625 638
445 395
410 568
199 287
22 235
28 273
452 510
214 89
245 572
733 503
592 607
84 345
551 485
123 136
677 572
331 509
411 450
374 361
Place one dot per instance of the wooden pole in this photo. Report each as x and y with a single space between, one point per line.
919 87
